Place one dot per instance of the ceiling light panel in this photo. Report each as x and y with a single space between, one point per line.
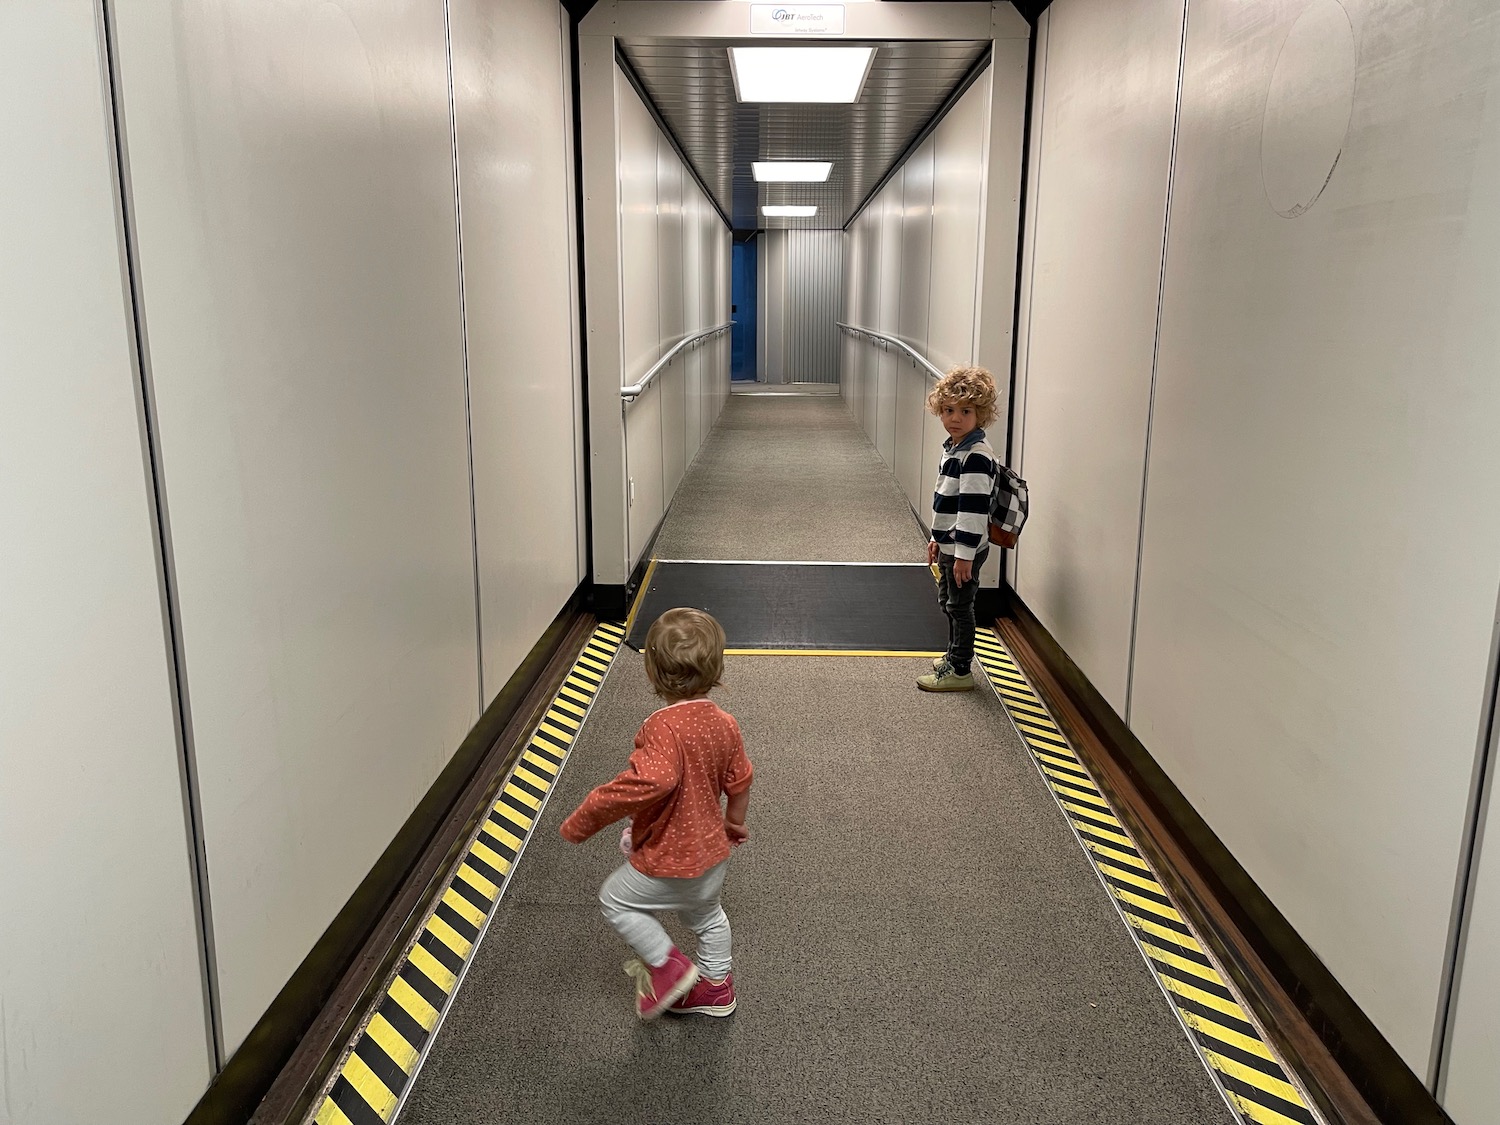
789 212
799 74
691 83
792 171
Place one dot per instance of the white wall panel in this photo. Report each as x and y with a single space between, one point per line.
1321 553
670 241
958 192
293 181
709 371
1105 128
848 355
958 181
888 315
695 279
723 257
917 278
513 115
674 266
89 772
640 292
869 368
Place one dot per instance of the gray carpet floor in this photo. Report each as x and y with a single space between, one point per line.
918 938
789 479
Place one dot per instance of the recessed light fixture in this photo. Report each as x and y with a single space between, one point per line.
799 74
791 171
787 212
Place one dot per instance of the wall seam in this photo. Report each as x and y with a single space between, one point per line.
1036 111
1161 289
1470 850
161 531
572 96
463 321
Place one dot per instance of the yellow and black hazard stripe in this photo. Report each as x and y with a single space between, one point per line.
1253 1079
376 1071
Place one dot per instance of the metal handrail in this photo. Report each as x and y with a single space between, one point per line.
917 357
635 390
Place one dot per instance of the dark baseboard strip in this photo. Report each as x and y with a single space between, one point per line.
611 601
278 1069
1350 1069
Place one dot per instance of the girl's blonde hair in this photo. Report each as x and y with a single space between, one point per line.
972 386
684 654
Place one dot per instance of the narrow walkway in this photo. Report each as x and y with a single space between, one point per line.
789 478
918 934
918 937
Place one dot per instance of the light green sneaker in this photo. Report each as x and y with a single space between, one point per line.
940 662
946 679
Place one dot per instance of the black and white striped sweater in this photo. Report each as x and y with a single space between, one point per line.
961 501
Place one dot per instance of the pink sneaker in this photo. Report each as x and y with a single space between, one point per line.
657 988
708 998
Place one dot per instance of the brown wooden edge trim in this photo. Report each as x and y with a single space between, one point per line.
278 1070
1351 1071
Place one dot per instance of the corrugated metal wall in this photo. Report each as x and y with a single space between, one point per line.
802 294
815 295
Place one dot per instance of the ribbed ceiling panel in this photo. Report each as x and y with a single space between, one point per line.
692 87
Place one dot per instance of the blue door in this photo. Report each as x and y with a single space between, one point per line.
742 295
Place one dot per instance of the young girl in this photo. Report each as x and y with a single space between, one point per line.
686 755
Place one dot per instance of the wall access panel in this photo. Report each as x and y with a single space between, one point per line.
958 163
958 185
888 315
640 292
672 185
695 280
104 1014
292 170
1321 554
913 381
512 100
1104 120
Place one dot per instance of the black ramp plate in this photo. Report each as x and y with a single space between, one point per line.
845 606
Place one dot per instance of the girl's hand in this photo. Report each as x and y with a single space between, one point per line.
625 842
737 833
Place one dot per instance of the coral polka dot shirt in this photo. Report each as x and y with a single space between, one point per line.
685 756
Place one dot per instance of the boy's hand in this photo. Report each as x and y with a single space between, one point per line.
963 570
737 833
932 553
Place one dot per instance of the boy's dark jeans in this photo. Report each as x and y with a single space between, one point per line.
958 603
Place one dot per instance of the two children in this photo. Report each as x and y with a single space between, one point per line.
689 753
965 401
686 755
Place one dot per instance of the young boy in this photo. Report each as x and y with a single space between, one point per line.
686 755
965 400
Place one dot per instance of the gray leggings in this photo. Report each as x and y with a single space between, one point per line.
628 900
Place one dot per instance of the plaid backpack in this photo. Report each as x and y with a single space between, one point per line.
1008 507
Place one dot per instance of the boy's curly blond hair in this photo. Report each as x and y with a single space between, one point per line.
684 654
973 386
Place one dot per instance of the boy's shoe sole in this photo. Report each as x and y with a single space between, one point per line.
950 682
